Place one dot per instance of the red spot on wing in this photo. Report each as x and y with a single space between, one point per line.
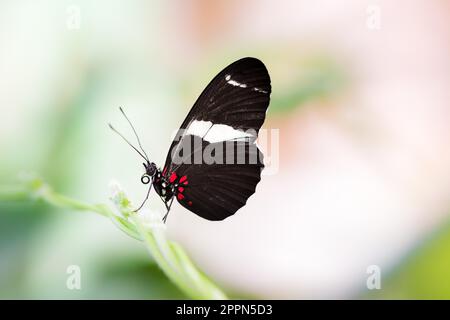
183 178
190 203
181 189
185 183
180 196
172 178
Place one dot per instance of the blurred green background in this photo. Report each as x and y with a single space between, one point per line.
360 96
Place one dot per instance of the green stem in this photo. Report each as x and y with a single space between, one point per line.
169 256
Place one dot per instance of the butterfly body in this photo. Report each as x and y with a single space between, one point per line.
162 186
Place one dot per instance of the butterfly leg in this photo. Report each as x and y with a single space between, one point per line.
168 206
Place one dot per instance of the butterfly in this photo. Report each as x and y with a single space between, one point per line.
213 164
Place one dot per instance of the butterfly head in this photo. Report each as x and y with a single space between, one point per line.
150 172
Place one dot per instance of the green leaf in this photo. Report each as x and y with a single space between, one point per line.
169 256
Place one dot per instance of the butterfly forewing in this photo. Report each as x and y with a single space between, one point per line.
238 96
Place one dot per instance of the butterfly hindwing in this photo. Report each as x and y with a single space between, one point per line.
215 191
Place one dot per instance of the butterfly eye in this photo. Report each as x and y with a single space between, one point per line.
145 179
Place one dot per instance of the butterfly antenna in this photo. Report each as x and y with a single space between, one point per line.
135 133
128 142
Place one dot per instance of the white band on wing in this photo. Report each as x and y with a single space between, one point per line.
215 132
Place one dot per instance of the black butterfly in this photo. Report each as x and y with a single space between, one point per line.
223 124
